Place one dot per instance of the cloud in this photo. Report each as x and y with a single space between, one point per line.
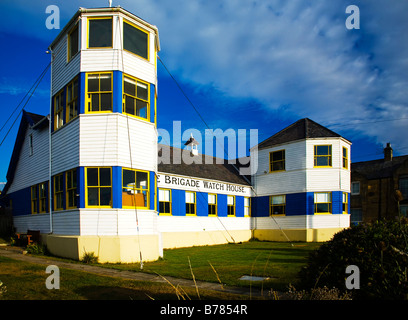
294 56
297 54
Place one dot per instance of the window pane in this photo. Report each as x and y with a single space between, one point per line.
105 196
278 199
92 176
279 209
141 109
322 161
128 179
106 82
130 105
93 197
106 101
164 195
142 92
73 42
230 200
100 33
322 207
135 40
322 150
141 180
278 155
129 86
403 187
322 197
93 83
104 176
211 199
190 197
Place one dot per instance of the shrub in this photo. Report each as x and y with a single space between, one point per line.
379 250
36 248
89 257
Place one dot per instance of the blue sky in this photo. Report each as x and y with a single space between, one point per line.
244 65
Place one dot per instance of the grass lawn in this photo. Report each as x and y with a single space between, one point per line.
278 261
26 281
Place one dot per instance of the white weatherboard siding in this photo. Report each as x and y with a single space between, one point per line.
197 224
104 141
25 176
300 175
62 71
32 222
108 59
292 180
112 222
65 147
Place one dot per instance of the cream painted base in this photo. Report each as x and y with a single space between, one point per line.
109 249
304 235
203 238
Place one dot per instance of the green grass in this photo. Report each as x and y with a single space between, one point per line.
278 261
26 281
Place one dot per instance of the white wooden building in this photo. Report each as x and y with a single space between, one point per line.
88 177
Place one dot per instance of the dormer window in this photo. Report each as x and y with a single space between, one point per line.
100 33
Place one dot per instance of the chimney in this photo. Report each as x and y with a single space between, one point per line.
388 152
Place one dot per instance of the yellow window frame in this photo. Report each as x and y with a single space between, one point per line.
34 199
195 204
135 97
88 95
74 100
272 206
345 204
247 207
273 164
97 187
231 207
147 190
345 158
87 31
59 110
69 56
330 204
71 188
58 191
42 191
148 40
328 156
212 206
169 202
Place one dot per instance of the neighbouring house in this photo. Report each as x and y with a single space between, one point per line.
375 186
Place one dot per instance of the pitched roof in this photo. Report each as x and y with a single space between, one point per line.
301 129
27 119
204 166
376 169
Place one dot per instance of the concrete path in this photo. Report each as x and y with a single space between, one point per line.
17 254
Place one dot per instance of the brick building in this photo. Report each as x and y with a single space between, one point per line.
375 185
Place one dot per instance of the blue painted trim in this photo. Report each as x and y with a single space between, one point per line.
202 204
178 204
82 92
81 187
21 201
222 205
117 91
116 187
152 190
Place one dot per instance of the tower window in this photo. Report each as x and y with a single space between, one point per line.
99 92
135 97
72 100
323 156
277 160
73 42
135 40
59 110
99 187
135 189
100 33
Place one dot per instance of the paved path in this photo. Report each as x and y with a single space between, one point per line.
17 254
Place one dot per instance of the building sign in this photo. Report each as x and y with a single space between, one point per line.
201 185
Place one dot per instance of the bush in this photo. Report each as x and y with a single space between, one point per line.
36 248
89 257
379 250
